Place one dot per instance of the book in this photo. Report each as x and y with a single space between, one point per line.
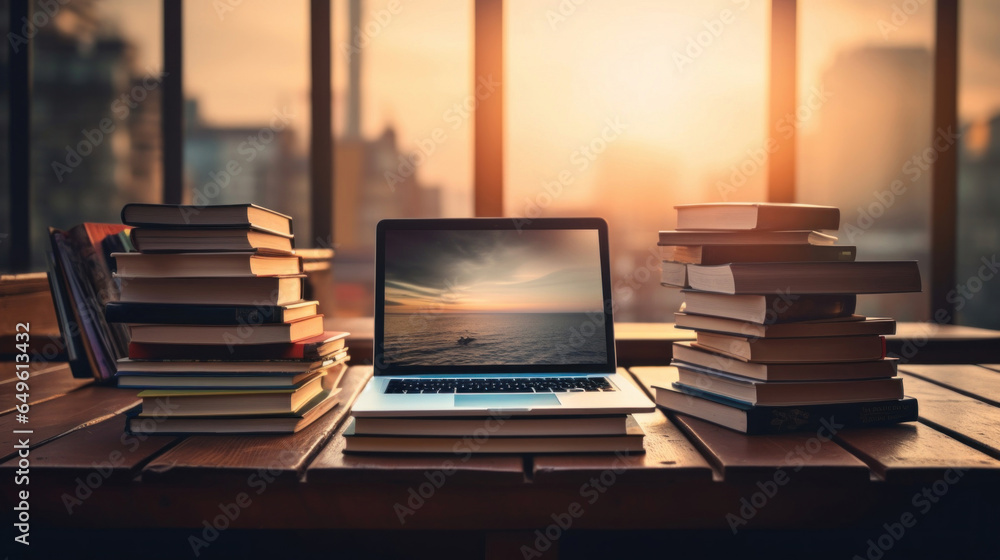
673 274
310 349
723 254
221 215
203 240
765 216
631 442
232 380
234 402
770 309
672 237
786 393
82 281
758 420
196 265
255 380
861 277
502 426
264 290
182 314
687 353
232 335
795 350
154 423
129 366
851 325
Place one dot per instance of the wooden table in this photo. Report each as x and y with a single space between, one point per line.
698 488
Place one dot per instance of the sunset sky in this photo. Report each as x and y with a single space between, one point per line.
566 76
531 271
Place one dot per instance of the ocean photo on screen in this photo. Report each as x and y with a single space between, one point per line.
503 297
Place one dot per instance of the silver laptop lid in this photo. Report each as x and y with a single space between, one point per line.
493 295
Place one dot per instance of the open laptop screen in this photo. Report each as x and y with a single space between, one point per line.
488 297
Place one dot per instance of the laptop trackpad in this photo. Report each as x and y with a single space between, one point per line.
516 400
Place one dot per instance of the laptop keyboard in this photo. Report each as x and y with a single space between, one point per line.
500 385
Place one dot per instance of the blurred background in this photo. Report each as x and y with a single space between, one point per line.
618 109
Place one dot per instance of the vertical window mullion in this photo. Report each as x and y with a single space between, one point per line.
944 173
172 107
321 131
19 142
488 135
781 100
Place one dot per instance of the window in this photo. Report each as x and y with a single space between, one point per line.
5 225
620 109
623 110
246 113
95 135
402 79
977 295
864 120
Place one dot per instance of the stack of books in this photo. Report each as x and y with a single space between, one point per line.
500 433
221 340
779 346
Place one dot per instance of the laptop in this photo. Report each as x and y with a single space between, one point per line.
490 316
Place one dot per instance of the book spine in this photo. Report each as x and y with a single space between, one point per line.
782 419
152 351
191 314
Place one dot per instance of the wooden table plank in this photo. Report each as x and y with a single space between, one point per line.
994 367
56 417
739 457
975 381
964 418
103 447
44 385
669 457
215 457
915 453
8 371
933 343
802 456
647 344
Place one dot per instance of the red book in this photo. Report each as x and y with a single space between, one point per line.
314 348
